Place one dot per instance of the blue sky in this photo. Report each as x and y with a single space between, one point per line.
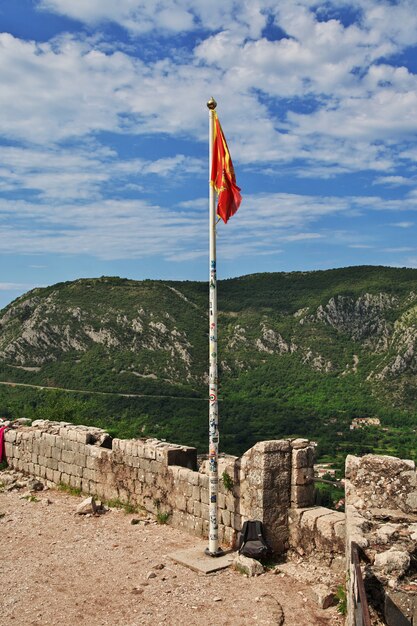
103 136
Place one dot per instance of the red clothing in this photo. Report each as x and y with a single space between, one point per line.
2 453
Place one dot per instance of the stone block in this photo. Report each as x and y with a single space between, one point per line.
45 449
302 495
10 436
72 434
75 481
303 457
197 509
194 479
322 596
155 467
68 456
56 453
245 565
90 462
69 445
149 451
225 517
204 496
392 560
65 479
204 511
137 489
53 464
220 533
145 464
86 486
230 504
75 470
299 443
83 437
50 440
229 536
180 502
89 474
80 460
141 475
203 481
57 477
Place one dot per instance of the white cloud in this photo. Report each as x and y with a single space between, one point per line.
130 229
81 87
79 172
171 16
15 286
393 181
398 249
403 224
111 229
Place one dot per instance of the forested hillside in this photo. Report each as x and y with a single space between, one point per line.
300 353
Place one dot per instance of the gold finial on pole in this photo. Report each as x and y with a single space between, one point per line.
211 104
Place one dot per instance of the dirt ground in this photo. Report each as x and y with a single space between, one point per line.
58 568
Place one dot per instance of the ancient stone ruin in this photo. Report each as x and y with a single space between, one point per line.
381 519
272 482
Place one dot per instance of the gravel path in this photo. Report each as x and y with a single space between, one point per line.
58 568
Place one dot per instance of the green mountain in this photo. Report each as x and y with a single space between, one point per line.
301 353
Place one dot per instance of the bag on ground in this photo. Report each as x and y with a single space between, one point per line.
251 540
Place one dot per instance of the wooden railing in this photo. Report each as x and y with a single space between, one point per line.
360 602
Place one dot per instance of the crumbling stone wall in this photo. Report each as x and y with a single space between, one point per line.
381 518
313 529
266 482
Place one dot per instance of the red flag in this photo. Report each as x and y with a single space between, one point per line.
223 176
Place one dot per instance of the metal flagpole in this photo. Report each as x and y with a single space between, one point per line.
213 547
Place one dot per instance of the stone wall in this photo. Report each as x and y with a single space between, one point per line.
266 482
381 518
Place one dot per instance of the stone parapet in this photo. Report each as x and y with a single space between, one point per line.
381 518
317 530
263 484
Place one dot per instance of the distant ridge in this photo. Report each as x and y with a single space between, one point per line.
298 350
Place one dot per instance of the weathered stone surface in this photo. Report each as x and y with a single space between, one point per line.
380 514
302 495
387 532
87 506
302 475
322 596
245 565
303 457
299 443
381 482
392 560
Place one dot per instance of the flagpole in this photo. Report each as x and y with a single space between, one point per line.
213 546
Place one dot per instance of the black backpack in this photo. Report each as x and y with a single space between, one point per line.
251 540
